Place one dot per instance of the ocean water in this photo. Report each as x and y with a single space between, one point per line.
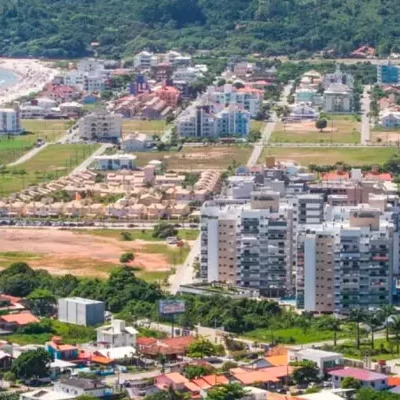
7 78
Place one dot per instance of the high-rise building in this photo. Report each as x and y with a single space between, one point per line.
9 121
388 74
345 263
248 243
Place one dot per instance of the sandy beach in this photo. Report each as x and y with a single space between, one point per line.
33 75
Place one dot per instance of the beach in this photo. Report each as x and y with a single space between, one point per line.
32 76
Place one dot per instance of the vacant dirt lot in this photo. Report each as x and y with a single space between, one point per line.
62 252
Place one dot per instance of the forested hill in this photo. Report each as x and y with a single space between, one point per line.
65 28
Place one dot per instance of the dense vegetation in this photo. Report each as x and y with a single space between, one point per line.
65 28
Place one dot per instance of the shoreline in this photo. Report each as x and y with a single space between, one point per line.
32 76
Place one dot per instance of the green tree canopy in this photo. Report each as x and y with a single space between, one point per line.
32 364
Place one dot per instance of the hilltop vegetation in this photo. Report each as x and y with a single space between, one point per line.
65 28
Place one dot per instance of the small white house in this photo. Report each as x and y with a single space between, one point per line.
46 394
79 386
117 334
136 142
325 360
390 119
303 111
115 162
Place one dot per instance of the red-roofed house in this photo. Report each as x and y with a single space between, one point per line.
367 378
170 95
264 375
14 321
171 347
60 93
376 176
174 380
363 52
336 176
61 351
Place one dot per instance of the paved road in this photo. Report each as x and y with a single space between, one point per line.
268 129
365 108
28 155
89 160
332 145
185 272
114 379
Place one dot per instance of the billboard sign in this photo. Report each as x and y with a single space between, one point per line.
171 307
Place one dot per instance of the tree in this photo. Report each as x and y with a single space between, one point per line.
196 371
202 347
387 310
334 325
350 383
164 230
321 124
395 328
374 320
9 377
86 397
227 365
32 364
126 258
231 391
357 315
305 371
42 302
254 135
126 236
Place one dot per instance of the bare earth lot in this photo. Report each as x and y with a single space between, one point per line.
61 252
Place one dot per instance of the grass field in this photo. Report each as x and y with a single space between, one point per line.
13 147
329 156
257 125
144 234
150 127
52 162
292 335
337 131
199 158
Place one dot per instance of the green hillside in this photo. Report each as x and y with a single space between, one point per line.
65 28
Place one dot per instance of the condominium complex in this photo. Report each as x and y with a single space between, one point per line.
248 244
388 74
9 121
205 121
346 263
334 249
101 126
247 98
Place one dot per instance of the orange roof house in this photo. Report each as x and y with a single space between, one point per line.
173 379
171 346
20 319
265 375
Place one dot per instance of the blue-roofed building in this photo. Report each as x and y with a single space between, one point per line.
388 74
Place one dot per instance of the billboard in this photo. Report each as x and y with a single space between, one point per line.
171 307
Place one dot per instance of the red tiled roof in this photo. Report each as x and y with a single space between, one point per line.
393 381
216 379
358 373
377 176
192 387
201 383
11 299
178 341
145 341
335 176
21 319
176 377
271 374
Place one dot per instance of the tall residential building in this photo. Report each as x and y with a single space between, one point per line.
101 126
248 244
338 98
144 59
346 262
9 121
388 74
206 121
246 98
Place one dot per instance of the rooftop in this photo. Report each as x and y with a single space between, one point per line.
358 373
23 318
81 383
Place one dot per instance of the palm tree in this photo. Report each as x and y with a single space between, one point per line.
357 315
395 328
387 310
373 320
334 325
